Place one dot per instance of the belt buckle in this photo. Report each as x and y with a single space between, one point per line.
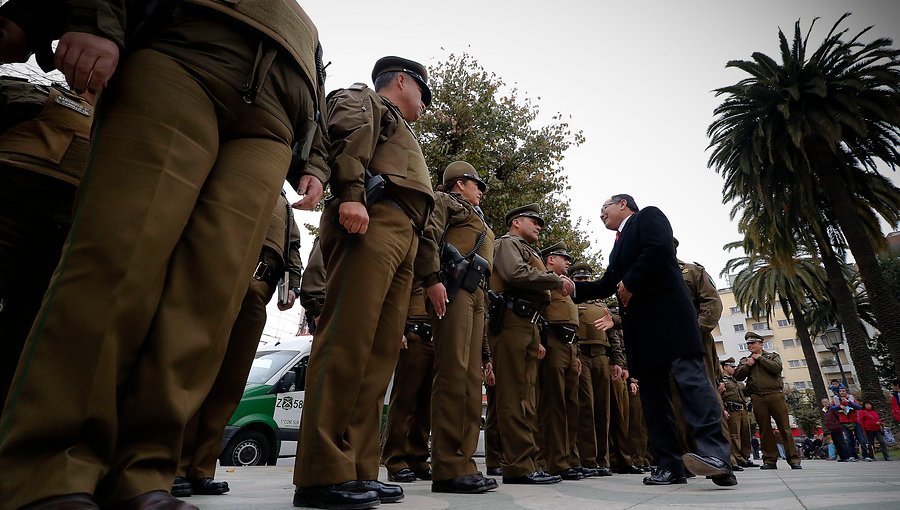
261 269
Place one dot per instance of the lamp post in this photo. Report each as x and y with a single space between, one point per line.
832 338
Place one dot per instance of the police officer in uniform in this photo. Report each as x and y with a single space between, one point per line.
202 444
736 415
708 304
558 374
187 160
620 452
521 278
762 371
454 259
369 238
594 352
405 453
312 286
40 124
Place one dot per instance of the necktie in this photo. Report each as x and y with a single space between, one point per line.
618 235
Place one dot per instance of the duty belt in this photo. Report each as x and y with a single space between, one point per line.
734 406
564 332
592 349
266 272
523 308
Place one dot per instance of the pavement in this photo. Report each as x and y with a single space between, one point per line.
820 484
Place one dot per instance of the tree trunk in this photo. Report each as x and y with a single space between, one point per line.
809 351
856 335
885 306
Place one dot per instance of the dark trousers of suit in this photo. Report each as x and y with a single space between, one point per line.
203 433
701 411
409 417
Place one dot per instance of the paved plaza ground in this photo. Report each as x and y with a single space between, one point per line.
820 484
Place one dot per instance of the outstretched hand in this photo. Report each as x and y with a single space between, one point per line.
604 323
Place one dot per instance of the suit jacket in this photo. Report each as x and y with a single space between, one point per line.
660 322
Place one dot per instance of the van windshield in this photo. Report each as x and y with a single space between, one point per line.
267 364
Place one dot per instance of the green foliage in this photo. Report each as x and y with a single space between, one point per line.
890 266
475 117
803 407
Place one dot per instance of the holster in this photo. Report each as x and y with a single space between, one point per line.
423 329
564 332
496 306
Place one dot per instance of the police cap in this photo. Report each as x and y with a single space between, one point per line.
556 249
727 361
414 69
752 337
530 210
581 269
459 169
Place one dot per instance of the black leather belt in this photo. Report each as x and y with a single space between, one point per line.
523 308
266 272
592 349
734 406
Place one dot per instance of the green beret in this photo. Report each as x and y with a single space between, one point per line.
530 210
556 249
462 169
414 69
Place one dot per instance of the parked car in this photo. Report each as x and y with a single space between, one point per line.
265 424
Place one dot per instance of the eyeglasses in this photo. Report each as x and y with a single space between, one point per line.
607 204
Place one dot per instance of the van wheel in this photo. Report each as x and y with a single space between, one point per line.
246 448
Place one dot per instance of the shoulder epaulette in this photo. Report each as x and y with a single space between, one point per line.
358 86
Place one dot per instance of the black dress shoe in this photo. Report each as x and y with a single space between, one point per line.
795 466
664 477
737 468
67 502
405 475
494 471
423 474
604 471
182 488
536 478
466 484
725 480
342 496
749 463
768 466
570 474
706 466
387 492
153 500
209 487
630 470
588 472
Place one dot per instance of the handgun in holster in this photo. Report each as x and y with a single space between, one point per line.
496 306
374 188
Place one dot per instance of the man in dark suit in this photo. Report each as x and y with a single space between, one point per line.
661 338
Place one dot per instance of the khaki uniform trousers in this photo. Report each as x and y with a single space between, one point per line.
203 434
173 210
637 431
620 450
409 416
739 434
593 402
357 343
558 403
35 215
773 407
492 440
515 352
456 395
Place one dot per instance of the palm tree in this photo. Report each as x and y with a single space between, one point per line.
761 283
811 130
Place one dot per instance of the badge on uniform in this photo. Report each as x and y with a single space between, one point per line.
73 105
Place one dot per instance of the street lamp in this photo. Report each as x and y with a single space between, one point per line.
832 338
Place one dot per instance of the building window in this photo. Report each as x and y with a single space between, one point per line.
794 363
768 345
759 326
735 310
739 327
788 342
803 362
783 323
850 380
800 385
742 347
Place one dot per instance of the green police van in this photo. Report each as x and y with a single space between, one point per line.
265 424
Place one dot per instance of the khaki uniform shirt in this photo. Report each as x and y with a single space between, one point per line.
703 294
764 376
519 271
734 391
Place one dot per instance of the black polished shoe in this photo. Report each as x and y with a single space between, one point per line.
387 492
423 474
182 488
705 466
587 472
725 480
342 496
209 487
405 475
570 474
494 471
749 463
466 484
645 468
67 502
768 466
795 466
737 468
604 471
536 478
664 477
630 470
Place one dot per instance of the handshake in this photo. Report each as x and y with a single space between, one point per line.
566 286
